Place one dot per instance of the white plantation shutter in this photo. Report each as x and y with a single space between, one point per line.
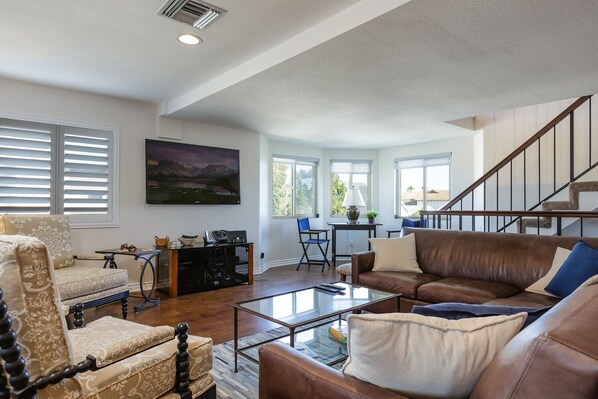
86 171
26 167
50 169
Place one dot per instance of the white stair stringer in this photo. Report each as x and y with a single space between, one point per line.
572 204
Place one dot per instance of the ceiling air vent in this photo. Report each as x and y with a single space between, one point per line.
191 12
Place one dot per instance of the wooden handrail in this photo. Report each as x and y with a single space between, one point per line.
517 151
562 214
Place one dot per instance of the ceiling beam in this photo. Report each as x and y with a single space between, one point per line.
349 18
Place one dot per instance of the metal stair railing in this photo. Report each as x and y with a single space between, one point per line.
528 196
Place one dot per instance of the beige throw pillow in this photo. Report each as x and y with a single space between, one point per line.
423 357
395 254
560 256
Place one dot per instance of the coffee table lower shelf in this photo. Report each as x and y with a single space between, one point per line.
312 340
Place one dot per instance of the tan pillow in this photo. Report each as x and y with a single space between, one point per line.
395 254
419 356
560 256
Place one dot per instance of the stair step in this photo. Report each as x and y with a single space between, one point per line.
572 205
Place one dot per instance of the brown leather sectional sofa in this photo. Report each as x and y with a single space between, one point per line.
469 267
555 357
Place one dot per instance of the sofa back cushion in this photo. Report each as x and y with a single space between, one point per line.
556 357
515 259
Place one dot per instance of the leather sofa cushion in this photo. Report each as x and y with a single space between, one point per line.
455 289
526 299
405 283
518 260
556 357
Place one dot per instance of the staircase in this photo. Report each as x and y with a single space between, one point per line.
575 189
518 192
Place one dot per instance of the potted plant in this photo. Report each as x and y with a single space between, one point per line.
371 214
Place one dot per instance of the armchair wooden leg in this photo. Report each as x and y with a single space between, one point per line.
78 315
182 362
125 307
14 364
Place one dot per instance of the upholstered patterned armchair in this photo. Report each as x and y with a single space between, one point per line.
109 358
91 286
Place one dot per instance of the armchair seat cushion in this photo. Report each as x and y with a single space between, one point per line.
404 282
149 373
456 289
110 340
81 281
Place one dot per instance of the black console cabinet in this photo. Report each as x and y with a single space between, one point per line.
190 269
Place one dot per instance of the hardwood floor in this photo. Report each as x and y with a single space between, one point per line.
210 314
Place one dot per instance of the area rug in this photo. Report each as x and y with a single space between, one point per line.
244 383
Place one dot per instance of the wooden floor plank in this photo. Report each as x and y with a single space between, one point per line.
210 313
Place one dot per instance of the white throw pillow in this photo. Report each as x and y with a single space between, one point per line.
395 254
560 256
419 356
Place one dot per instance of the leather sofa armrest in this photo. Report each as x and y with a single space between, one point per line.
361 262
288 374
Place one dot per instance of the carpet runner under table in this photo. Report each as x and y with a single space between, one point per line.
244 383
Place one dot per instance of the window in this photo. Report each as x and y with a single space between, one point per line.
345 174
51 169
424 183
294 186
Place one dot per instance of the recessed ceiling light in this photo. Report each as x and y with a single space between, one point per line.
188 38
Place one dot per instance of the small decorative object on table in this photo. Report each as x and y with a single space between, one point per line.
371 214
338 331
187 240
353 199
161 241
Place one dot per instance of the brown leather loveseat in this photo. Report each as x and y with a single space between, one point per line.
555 357
469 267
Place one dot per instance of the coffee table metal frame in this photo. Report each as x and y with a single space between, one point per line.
294 328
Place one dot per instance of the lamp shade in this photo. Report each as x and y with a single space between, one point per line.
353 198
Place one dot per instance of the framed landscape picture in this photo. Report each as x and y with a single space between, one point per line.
179 173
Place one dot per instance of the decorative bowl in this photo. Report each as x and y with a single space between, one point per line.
187 241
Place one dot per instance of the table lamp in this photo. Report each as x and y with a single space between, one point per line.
352 200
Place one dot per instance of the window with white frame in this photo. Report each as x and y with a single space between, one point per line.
345 174
422 183
294 186
53 169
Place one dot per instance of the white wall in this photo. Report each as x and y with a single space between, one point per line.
137 121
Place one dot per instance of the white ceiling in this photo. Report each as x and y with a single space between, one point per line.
333 73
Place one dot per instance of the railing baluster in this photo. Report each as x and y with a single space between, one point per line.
539 174
554 157
581 227
524 180
511 183
571 147
590 133
484 207
559 226
460 222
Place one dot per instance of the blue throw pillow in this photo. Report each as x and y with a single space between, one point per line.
414 223
456 311
581 264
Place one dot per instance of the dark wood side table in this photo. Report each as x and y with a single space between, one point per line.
147 255
369 227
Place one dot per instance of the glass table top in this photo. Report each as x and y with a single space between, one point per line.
300 307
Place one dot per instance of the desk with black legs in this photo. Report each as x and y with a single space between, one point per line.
370 227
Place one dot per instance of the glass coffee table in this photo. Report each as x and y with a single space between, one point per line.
307 314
